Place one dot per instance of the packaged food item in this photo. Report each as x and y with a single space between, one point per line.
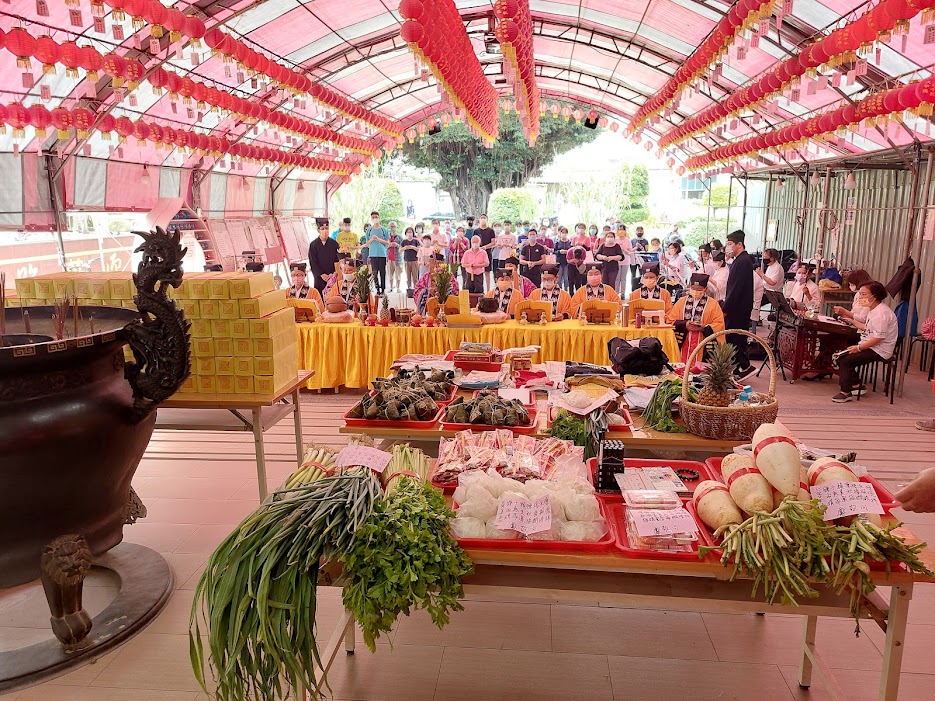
651 499
674 543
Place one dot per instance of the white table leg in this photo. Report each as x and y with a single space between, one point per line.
297 421
350 637
900 596
260 452
810 624
339 634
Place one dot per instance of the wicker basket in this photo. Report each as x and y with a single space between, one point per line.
728 423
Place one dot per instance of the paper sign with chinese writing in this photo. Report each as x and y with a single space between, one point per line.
526 517
659 522
847 499
352 455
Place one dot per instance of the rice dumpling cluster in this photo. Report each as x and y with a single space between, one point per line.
488 408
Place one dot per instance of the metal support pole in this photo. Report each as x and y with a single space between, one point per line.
822 211
730 194
56 205
913 201
769 204
916 259
743 215
707 226
804 214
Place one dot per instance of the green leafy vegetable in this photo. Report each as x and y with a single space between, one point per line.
404 558
569 427
658 412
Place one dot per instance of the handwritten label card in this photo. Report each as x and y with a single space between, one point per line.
660 522
353 455
526 517
847 499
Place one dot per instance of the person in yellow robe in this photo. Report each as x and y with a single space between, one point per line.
507 291
594 289
695 316
550 292
649 287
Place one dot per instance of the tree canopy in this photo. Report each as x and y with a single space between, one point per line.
470 172
622 196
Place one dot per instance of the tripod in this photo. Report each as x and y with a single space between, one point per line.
774 344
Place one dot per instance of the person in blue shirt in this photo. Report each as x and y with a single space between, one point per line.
377 241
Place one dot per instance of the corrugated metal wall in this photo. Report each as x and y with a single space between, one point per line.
872 223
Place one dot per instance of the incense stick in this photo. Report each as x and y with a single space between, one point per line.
26 321
2 304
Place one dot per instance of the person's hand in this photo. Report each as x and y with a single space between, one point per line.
853 349
919 495
692 326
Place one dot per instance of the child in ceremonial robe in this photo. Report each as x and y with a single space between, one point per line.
562 306
649 287
695 316
594 289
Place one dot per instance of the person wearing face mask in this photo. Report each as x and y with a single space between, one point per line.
593 242
487 239
594 289
649 287
695 316
378 240
772 272
802 293
639 244
610 254
581 237
300 288
343 286
654 249
426 250
738 300
531 257
551 292
674 265
576 257
877 339
425 288
547 241
562 244
440 239
507 292
526 285
717 286
474 264
323 255
394 258
459 244
506 243
410 253
857 312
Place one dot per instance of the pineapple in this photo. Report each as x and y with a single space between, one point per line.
384 308
716 391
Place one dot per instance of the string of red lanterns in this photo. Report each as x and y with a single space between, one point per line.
740 17
82 120
514 31
435 34
839 47
917 97
46 50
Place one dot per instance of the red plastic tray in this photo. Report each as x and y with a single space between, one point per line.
388 423
703 470
440 402
469 365
887 500
617 517
531 428
605 543
622 428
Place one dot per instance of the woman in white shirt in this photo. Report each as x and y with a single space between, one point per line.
717 282
774 276
877 339
855 279
675 267
802 293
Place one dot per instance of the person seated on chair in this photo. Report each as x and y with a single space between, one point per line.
526 285
425 287
857 312
342 285
877 339
550 292
696 316
802 292
594 288
507 291
649 286
300 287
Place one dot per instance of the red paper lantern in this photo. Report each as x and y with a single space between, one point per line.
156 134
63 121
346 179
106 125
155 15
21 44
136 9
194 29
158 79
91 60
47 52
214 37
84 122
40 118
175 23
115 66
140 132
124 128
134 73
17 117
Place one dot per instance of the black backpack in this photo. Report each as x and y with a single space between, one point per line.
643 358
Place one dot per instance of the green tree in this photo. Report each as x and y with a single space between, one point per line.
512 203
391 205
623 195
358 198
470 172
719 194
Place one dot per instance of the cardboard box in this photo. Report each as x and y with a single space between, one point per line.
268 347
277 323
228 308
201 328
83 287
45 288
207 384
243 365
243 347
63 288
122 287
221 328
240 328
180 292
243 384
224 366
198 286
264 305
189 308
219 287
204 366
223 347
209 309
285 359
100 289
190 385
247 285
285 373
26 288
203 347
226 384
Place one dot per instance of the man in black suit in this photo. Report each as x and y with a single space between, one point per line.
322 256
738 301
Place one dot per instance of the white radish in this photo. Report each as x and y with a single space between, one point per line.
715 506
830 470
748 488
777 457
803 494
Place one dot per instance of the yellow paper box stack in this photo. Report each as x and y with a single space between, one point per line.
91 289
243 335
